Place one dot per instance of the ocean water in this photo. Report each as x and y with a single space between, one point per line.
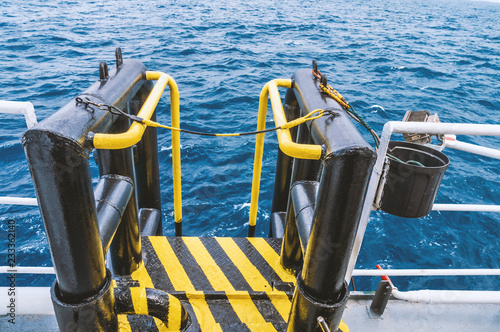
385 57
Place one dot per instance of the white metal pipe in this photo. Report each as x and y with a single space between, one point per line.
426 272
406 127
18 201
466 207
371 192
472 148
357 273
20 107
448 296
28 269
442 128
28 301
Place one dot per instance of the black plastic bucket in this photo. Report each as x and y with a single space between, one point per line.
410 189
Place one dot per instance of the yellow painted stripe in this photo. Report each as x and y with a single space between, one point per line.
212 271
281 302
161 326
248 270
248 313
181 282
139 300
123 324
343 327
174 314
253 276
243 305
142 276
272 258
173 267
202 312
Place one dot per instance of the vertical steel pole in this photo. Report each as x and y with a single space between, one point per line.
321 289
125 249
57 153
291 257
147 170
284 163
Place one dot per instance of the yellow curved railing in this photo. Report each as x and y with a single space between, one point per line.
270 91
295 150
136 130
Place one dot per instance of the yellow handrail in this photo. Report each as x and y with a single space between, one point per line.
270 90
295 150
136 130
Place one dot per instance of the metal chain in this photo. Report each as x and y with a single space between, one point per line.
115 110
108 108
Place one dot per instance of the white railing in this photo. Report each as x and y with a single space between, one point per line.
356 273
20 107
26 109
449 130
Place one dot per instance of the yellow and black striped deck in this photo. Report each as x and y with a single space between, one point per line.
226 284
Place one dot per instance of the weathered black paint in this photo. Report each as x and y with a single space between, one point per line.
303 195
96 313
277 222
284 163
410 190
382 294
57 151
158 303
306 310
112 195
344 178
147 169
148 221
125 249
58 158
303 170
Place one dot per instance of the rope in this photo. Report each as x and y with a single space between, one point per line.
116 111
326 88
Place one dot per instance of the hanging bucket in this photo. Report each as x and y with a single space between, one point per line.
410 189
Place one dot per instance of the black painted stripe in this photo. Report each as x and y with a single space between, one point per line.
193 321
275 244
158 303
225 315
222 260
154 267
142 323
188 262
123 300
268 311
255 257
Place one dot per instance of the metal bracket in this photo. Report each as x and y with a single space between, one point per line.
379 302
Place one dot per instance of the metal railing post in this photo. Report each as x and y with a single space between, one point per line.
321 289
57 151
147 172
125 250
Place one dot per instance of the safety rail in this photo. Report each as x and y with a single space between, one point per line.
24 108
134 134
20 107
286 144
373 191
107 220
356 272
136 130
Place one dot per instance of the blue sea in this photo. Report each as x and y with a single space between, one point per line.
385 57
